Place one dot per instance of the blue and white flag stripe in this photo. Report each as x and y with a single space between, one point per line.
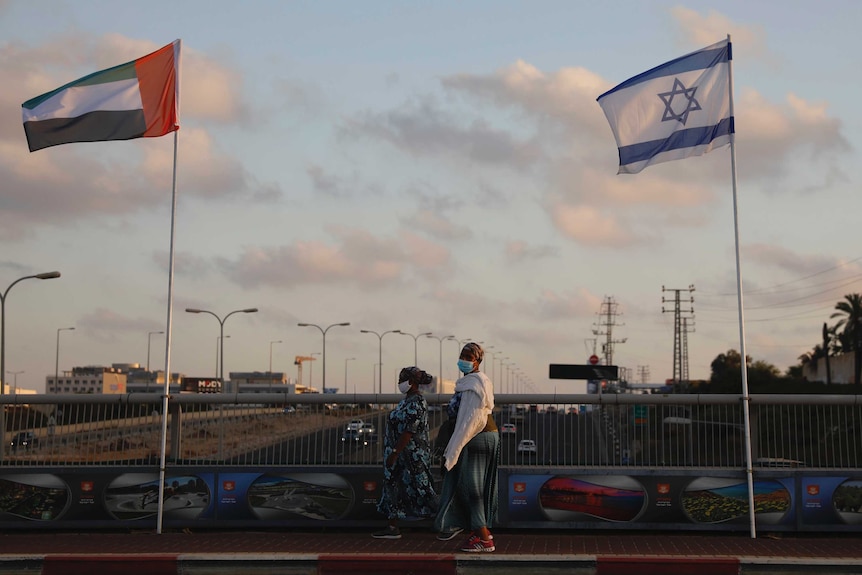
673 111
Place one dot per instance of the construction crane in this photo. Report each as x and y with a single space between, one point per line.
298 363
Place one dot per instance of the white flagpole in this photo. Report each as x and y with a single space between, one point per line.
169 324
167 389
746 399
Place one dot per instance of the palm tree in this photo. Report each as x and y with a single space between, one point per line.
850 312
826 353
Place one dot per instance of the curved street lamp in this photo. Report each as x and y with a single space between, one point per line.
150 335
42 276
380 355
441 339
415 346
323 332
221 334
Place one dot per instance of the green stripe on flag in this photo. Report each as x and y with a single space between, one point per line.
122 72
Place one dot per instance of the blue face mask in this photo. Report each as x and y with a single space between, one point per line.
465 366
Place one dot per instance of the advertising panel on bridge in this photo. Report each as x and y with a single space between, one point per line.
340 496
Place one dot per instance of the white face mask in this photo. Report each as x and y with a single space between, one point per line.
404 386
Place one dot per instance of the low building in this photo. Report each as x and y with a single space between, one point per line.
90 379
260 382
840 366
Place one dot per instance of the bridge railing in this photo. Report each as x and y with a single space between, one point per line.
585 431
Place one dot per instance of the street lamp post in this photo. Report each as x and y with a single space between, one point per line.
42 276
219 339
323 332
441 339
221 334
14 380
415 345
488 351
150 335
270 356
311 369
57 357
345 374
494 355
380 354
509 368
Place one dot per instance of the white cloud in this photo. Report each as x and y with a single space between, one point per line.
591 227
104 324
521 251
357 257
700 30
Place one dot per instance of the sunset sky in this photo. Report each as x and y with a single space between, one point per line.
429 167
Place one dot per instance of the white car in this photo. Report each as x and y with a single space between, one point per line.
355 425
527 446
509 428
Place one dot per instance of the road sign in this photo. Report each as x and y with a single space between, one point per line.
563 371
640 413
594 359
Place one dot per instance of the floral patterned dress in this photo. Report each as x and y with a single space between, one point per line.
408 486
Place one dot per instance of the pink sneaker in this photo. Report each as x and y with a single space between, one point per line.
477 545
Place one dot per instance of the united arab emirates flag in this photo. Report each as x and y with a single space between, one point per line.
138 99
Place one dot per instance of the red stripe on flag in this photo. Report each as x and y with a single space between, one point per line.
157 80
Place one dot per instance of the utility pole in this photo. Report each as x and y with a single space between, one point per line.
643 373
605 327
687 328
680 333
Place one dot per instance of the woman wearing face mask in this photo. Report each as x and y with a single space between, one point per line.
408 488
469 495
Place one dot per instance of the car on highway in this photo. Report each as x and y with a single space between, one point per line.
509 429
352 437
355 424
289 410
527 446
24 440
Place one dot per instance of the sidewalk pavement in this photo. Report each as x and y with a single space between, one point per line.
355 552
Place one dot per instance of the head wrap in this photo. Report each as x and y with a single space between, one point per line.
474 351
415 375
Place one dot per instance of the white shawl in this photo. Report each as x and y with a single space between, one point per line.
477 403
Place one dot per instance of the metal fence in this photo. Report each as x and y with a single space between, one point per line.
583 431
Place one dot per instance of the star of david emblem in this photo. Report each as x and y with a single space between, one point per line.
684 93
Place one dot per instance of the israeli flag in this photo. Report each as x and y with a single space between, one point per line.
676 110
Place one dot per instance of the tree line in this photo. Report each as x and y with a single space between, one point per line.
842 337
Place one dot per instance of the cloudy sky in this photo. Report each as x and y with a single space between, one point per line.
429 167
